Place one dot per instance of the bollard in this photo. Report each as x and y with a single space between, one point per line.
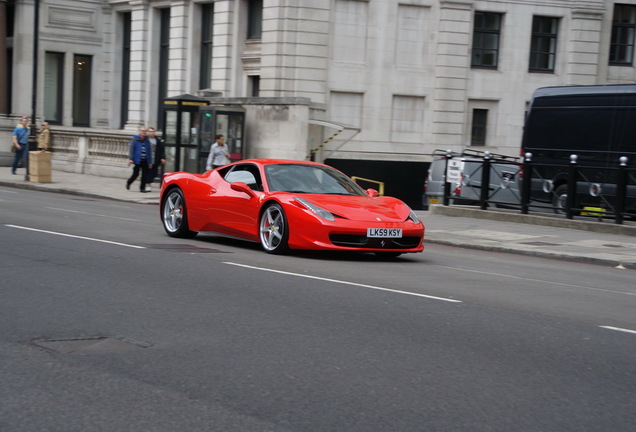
485 182
621 189
571 199
527 183
447 188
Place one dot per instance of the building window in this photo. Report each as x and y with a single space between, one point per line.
125 68
53 87
164 57
478 129
623 29
485 53
82 90
346 107
349 31
254 19
207 26
7 20
407 119
543 44
411 48
255 85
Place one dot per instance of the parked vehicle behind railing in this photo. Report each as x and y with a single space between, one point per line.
458 179
597 124
465 174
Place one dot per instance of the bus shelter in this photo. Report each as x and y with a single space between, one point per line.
181 132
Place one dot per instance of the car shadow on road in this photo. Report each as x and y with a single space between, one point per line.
348 256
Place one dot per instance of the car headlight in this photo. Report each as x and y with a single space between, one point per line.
413 217
315 209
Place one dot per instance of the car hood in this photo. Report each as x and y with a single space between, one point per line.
362 208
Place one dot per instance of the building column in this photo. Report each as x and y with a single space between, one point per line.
179 52
295 50
223 52
452 67
22 72
584 46
138 93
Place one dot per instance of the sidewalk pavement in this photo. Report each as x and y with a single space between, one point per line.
549 236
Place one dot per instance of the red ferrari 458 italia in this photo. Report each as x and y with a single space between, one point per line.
288 205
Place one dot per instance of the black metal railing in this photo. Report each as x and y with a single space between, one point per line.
577 190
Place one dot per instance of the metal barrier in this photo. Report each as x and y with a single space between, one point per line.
379 183
490 180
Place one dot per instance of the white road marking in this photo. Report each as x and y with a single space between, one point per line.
93 214
345 282
618 329
76 236
537 280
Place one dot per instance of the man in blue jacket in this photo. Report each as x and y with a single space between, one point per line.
139 154
20 141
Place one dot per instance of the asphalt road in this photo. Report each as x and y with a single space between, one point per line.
107 324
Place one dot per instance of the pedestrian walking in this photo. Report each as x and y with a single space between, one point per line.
139 154
158 157
219 154
20 142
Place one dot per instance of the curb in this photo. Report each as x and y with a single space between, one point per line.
549 221
537 254
66 191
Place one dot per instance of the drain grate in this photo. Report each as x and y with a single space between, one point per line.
183 248
88 345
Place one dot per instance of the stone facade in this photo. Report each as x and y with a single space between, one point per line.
399 71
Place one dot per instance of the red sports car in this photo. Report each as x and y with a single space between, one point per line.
288 205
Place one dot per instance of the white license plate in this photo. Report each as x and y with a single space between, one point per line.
384 232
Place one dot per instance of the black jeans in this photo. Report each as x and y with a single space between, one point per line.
143 166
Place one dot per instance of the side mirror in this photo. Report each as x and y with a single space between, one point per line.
242 187
372 193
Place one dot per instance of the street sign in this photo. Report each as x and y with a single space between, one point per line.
454 171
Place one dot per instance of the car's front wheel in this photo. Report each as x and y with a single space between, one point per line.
174 215
273 229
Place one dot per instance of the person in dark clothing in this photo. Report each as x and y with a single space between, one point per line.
139 154
158 157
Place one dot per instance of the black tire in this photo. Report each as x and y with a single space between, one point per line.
174 214
273 229
560 199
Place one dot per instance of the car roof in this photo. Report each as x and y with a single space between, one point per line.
264 161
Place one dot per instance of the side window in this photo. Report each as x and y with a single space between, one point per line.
623 35
486 34
247 174
543 44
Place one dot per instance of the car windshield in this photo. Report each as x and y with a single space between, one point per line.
313 179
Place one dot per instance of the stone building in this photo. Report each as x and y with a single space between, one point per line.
373 87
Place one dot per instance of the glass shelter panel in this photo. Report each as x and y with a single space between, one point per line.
170 139
226 122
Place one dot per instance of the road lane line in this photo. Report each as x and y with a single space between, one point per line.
536 280
345 282
93 214
618 329
75 236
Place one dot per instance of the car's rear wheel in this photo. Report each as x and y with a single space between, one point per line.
273 229
174 215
